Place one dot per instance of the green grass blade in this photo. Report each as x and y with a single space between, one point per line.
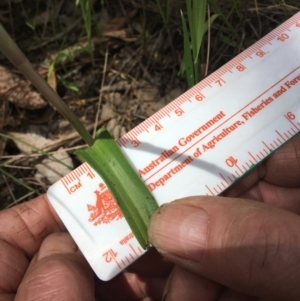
165 12
218 11
189 10
161 11
198 25
18 181
86 11
129 191
36 149
187 56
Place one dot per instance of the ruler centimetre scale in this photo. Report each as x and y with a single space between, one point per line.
199 144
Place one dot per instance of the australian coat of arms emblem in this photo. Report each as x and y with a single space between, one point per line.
105 208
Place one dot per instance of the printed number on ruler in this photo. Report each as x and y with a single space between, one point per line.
200 143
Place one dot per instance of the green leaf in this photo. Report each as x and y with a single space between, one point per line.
197 26
132 195
187 56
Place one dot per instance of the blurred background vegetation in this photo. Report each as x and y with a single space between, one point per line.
115 63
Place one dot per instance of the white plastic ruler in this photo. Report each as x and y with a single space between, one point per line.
199 144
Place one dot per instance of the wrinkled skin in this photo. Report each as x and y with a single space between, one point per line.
213 248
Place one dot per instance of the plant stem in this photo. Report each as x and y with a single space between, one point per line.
17 57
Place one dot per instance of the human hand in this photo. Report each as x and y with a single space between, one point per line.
40 261
233 248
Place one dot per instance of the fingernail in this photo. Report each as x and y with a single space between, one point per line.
180 230
57 243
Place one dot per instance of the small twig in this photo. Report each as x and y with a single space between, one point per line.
16 167
15 158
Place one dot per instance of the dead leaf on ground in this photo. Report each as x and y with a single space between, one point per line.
18 91
172 95
150 102
52 170
107 112
115 28
114 98
118 22
122 34
33 139
147 92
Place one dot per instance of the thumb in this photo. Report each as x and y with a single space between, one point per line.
248 246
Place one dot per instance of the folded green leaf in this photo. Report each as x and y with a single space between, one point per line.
132 195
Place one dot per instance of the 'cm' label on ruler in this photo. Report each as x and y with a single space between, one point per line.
199 144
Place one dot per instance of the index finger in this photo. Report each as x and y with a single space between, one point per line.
26 225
